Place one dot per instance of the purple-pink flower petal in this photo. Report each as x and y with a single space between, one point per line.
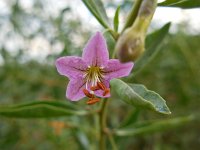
116 69
95 52
71 66
75 89
93 69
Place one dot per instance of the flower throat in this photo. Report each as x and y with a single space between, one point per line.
93 76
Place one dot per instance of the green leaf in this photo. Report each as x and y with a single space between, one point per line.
181 3
132 14
137 95
116 19
153 43
40 109
98 4
97 9
155 126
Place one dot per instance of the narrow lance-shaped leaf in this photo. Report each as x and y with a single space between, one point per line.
101 10
138 96
116 19
155 126
181 3
40 109
92 7
96 8
132 14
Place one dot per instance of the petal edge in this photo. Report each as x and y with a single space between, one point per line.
70 66
116 69
74 89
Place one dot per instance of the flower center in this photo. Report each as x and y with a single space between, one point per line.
93 75
94 81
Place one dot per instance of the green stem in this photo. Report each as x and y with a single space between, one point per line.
114 34
113 54
102 122
112 141
133 14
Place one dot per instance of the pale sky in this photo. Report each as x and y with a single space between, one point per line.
41 46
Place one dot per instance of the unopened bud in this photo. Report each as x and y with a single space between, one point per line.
131 43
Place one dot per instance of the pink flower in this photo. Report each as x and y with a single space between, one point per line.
90 74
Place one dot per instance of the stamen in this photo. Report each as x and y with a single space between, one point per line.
106 92
93 101
94 88
93 78
101 85
88 94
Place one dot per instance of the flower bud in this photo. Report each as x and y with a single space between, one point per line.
131 43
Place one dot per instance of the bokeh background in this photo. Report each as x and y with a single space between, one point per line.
33 33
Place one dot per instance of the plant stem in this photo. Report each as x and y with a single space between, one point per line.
102 122
114 34
133 14
112 141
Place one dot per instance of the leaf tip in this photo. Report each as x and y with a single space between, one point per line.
164 110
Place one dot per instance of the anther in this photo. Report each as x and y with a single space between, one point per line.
106 92
94 88
101 85
93 101
88 94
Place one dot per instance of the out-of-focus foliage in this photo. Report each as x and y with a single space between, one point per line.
41 109
174 74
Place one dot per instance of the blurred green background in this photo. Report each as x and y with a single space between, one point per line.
34 33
